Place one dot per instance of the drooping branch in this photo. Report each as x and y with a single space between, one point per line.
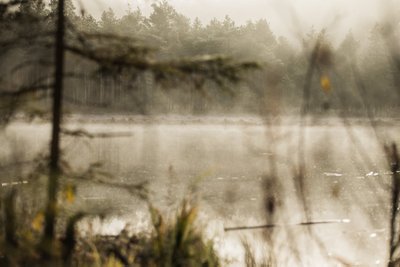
213 68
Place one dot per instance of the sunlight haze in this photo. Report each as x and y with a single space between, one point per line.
190 133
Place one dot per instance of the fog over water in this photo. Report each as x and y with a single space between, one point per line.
227 159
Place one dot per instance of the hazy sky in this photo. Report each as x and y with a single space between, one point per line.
286 17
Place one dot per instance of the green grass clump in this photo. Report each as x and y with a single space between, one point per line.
178 243
174 242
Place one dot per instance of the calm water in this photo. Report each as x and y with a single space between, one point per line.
225 163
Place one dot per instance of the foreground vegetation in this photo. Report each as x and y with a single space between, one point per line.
170 243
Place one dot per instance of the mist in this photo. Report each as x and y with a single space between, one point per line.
199 133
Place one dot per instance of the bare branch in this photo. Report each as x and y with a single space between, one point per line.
266 226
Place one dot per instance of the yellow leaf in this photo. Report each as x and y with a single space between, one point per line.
69 193
38 221
325 83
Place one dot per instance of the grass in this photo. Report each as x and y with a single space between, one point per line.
177 242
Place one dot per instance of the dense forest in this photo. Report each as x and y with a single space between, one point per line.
351 75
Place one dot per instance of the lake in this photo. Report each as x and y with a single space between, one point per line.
231 165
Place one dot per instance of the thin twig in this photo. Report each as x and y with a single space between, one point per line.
267 226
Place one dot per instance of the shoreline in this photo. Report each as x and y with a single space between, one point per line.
245 120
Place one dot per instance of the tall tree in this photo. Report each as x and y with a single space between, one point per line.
54 164
132 23
108 21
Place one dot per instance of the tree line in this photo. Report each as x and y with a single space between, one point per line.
165 34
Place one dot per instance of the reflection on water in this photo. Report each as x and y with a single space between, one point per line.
226 162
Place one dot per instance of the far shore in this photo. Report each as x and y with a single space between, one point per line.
245 120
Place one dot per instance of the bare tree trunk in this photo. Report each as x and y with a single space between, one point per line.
49 231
